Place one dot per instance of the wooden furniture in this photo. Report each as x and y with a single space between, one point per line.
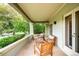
43 47
54 39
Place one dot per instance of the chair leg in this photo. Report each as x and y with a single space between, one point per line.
51 53
34 50
40 53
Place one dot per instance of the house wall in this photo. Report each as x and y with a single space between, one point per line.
58 29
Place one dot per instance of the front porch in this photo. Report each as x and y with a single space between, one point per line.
55 16
62 20
28 50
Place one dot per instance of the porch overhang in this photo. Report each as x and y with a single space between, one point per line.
38 12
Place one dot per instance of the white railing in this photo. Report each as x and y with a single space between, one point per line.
12 49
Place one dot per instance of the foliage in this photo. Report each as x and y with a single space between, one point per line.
11 20
20 25
39 28
6 41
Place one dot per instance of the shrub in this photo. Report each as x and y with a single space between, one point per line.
6 41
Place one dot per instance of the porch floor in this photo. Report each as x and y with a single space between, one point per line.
28 50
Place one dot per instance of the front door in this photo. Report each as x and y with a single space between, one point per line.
72 30
68 30
77 31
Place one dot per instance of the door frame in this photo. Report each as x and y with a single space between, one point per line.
70 13
75 10
73 31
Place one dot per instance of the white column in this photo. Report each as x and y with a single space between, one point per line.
31 27
46 29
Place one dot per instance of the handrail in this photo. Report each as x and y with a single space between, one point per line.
13 45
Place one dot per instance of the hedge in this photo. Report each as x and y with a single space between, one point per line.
9 40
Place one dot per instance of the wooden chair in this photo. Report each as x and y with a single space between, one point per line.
54 39
43 48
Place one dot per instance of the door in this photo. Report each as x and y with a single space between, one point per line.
77 31
72 30
68 31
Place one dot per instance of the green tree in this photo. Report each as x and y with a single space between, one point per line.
39 28
20 24
11 20
4 13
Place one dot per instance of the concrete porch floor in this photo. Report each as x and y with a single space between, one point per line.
28 50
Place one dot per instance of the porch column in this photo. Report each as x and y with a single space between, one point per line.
46 29
31 27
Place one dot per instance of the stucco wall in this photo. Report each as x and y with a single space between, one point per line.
58 29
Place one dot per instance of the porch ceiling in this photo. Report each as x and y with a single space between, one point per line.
39 12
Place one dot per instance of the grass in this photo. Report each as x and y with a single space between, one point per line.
9 40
